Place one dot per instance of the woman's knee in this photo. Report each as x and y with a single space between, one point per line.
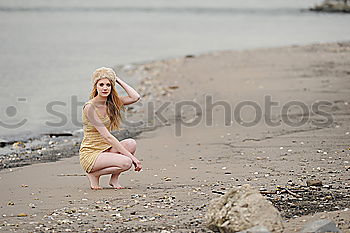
130 144
113 150
126 163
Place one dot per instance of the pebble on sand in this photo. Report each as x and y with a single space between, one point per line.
22 215
314 183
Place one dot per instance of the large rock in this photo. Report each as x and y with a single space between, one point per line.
323 225
242 208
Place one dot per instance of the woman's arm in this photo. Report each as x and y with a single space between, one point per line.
132 97
92 116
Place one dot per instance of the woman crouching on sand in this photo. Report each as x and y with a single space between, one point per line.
100 152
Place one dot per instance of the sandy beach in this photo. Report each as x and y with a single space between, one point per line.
272 118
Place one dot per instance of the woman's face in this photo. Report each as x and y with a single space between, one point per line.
103 87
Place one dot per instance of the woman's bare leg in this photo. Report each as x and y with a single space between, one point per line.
95 176
108 163
130 145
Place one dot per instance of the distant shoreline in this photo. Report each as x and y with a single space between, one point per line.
332 7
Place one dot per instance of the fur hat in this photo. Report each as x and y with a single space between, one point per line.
104 72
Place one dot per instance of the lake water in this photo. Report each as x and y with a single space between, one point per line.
49 48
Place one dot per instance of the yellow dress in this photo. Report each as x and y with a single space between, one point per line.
93 143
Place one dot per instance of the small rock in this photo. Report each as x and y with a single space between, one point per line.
22 215
324 225
314 183
167 178
190 56
173 87
18 145
256 229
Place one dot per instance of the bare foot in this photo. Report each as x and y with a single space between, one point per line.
114 181
116 185
94 182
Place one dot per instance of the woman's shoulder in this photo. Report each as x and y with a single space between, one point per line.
86 107
87 103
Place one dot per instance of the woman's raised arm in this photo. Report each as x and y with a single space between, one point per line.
132 97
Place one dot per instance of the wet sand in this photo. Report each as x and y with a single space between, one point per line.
185 167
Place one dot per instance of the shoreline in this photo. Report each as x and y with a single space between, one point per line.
145 73
183 172
134 70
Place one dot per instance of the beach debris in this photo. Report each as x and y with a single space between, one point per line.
71 174
173 87
314 183
11 203
166 178
116 215
17 145
4 142
190 56
59 134
241 208
218 192
22 215
323 225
